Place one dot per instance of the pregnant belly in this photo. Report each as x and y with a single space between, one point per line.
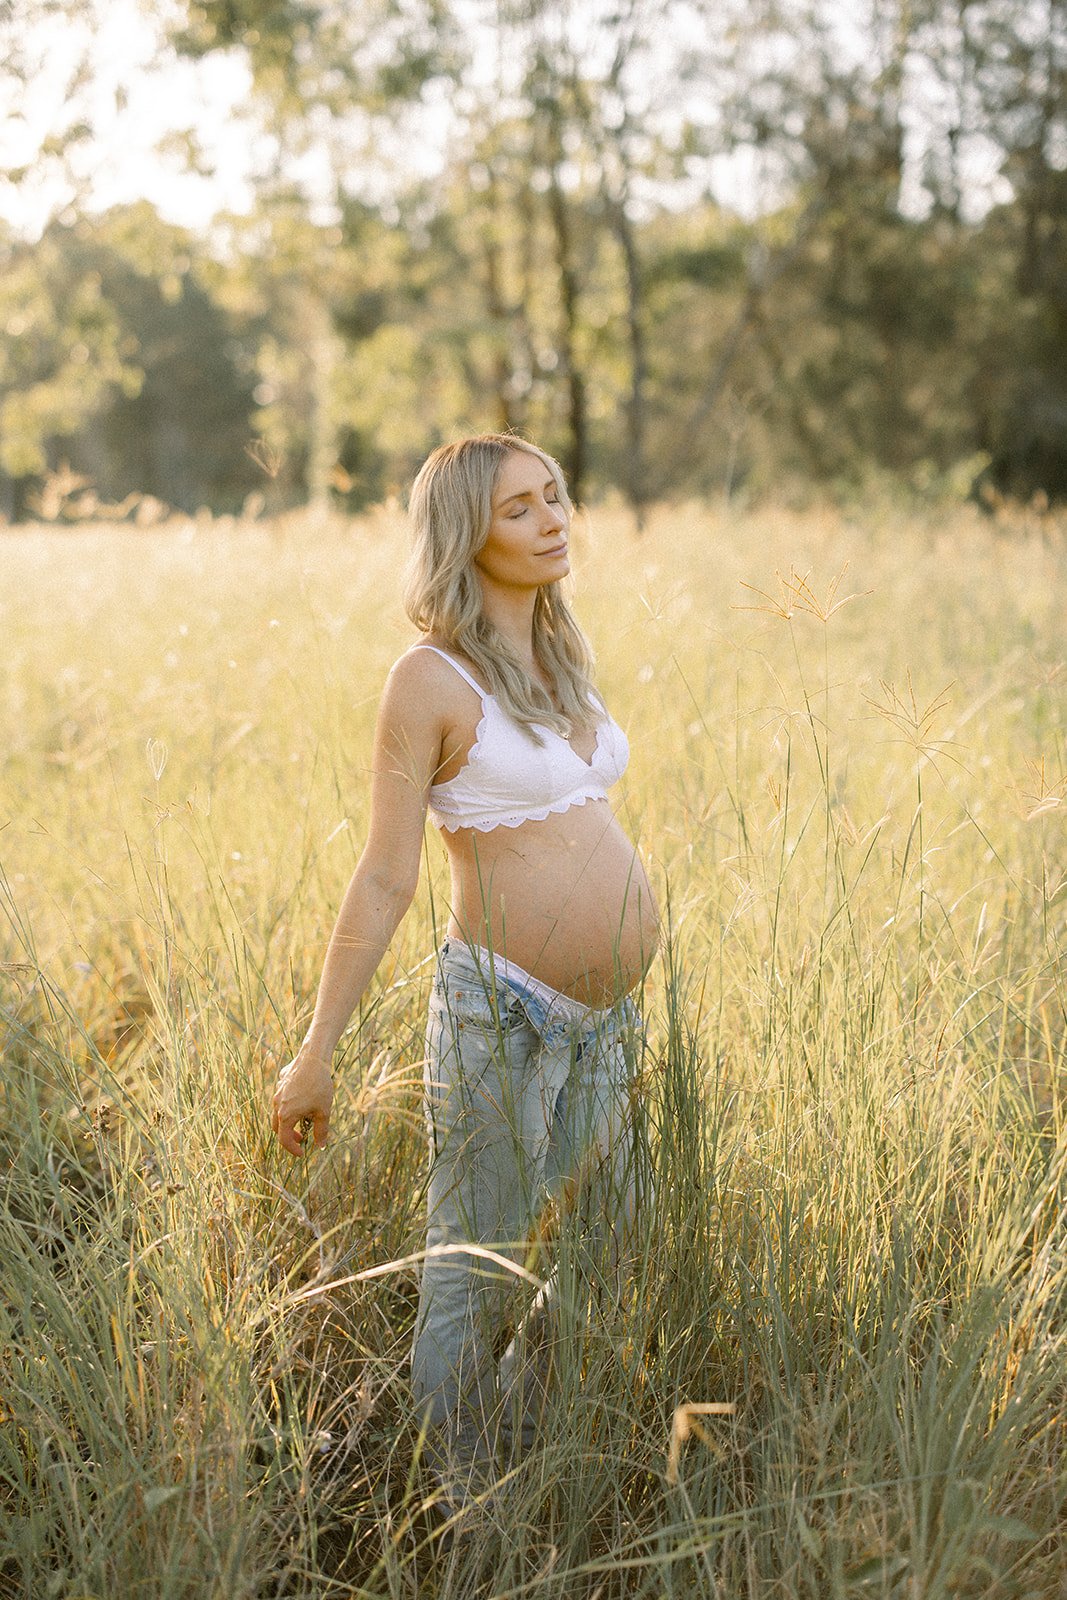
566 899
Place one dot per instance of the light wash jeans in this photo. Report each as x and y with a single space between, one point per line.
519 1101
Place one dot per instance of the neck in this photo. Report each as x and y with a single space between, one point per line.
511 612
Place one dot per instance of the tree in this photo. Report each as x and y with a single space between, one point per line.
63 362
327 73
1020 78
124 367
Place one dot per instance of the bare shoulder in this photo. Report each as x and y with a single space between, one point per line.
420 677
421 703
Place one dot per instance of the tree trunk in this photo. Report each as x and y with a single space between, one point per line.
576 455
497 307
635 481
322 429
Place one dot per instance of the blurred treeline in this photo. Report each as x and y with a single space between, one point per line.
888 302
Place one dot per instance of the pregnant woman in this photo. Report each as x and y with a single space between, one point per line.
492 722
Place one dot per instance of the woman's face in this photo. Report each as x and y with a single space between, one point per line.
527 541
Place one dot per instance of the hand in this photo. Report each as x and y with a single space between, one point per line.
304 1094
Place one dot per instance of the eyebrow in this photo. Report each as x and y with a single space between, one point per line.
524 494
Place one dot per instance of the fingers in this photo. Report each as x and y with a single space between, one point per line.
291 1129
290 1138
300 1102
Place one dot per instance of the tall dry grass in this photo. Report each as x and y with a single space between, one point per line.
849 781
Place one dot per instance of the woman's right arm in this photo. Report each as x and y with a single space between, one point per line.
407 753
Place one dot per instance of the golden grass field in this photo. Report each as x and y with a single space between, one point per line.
849 780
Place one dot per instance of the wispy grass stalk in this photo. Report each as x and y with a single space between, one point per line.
852 1118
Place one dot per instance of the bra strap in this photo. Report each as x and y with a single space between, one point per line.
482 693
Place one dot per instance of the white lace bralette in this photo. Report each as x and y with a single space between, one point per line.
508 779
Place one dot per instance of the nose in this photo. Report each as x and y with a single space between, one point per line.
554 520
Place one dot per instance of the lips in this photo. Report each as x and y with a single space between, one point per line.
557 550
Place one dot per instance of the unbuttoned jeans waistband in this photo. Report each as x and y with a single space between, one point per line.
555 1024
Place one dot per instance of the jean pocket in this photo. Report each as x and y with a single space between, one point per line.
468 1003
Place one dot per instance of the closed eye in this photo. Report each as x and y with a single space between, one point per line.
522 510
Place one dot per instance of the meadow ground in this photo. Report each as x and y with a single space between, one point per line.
848 779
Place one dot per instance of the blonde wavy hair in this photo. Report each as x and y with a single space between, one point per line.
451 509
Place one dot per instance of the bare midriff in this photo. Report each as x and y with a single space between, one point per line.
567 899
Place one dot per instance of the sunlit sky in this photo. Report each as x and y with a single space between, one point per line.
140 99
134 101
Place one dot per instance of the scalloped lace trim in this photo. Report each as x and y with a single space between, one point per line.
511 820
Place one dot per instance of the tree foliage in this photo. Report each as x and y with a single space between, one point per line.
568 274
